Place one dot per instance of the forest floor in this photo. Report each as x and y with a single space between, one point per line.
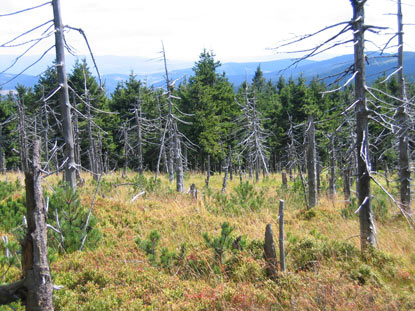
167 251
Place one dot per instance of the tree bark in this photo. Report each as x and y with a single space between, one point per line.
35 289
208 171
2 156
311 164
269 253
70 166
332 181
179 162
366 217
34 249
402 119
281 235
138 120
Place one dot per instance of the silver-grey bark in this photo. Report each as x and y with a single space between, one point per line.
366 216
402 119
311 163
70 166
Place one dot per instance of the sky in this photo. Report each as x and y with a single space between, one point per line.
236 30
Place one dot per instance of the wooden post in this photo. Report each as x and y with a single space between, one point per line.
269 253
284 179
281 235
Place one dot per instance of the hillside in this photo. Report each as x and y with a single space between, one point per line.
152 255
115 69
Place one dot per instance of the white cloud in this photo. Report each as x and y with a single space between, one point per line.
234 29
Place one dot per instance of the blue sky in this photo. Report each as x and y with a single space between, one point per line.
236 30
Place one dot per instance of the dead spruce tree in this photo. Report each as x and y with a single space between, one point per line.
402 120
172 138
67 131
311 163
357 73
35 288
254 136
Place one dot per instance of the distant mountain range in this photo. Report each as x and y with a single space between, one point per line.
114 69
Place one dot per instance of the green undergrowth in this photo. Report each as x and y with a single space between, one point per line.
167 251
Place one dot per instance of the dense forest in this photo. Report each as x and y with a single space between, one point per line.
157 198
125 128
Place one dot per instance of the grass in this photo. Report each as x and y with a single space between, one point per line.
325 268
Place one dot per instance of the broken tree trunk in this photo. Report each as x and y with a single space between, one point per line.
367 224
269 253
35 288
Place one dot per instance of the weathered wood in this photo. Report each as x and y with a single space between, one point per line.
311 164
12 292
281 235
284 179
332 170
269 253
2 154
208 171
366 217
70 166
34 249
402 119
178 160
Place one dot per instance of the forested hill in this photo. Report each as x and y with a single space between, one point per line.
115 69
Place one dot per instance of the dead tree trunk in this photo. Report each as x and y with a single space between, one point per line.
269 253
402 119
281 235
367 224
311 164
35 289
346 182
227 166
70 166
34 249
125 135
208 171
2 156
22 132
178 160
332 180
138 120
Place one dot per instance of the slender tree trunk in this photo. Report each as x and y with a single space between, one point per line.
346 182
125 134
70 166
239 169
227 166
311 164
281 235
402 119
179 162
2 156
208 171
23 146
332 181
367 224
138 119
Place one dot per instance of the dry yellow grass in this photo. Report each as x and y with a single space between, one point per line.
117 275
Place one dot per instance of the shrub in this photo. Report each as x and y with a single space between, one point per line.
68 216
